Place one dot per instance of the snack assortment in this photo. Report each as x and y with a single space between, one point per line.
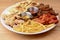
30 17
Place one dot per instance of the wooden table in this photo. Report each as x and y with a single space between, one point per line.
51 35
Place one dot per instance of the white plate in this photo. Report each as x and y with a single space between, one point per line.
11 29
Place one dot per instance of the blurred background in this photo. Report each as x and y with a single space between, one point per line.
51 35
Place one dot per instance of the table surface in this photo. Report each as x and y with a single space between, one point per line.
54 34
